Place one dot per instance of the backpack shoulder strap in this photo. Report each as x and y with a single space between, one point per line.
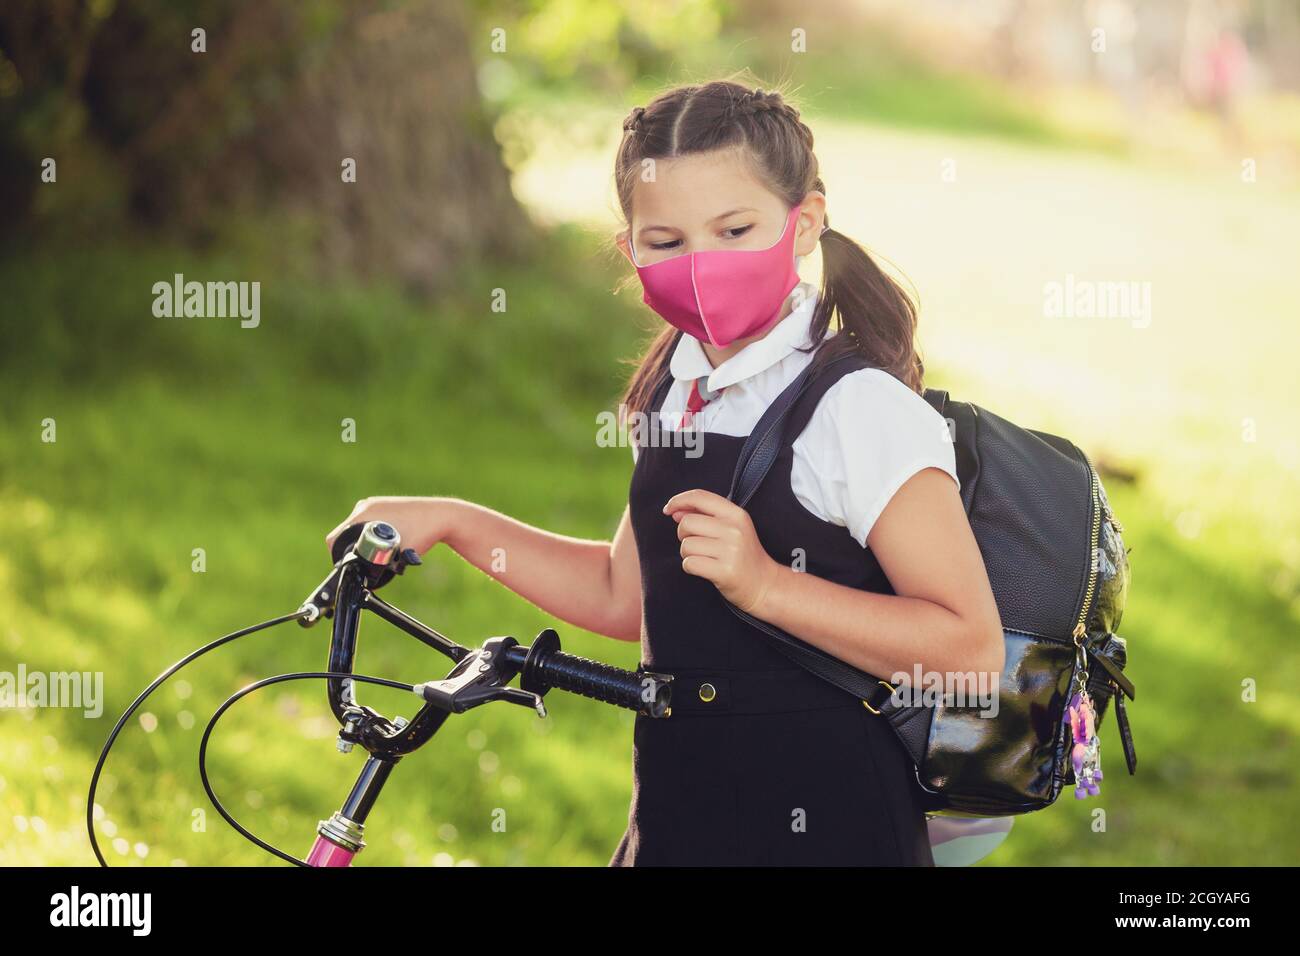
937 397
779 422
757 455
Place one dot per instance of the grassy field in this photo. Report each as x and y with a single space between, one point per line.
177 434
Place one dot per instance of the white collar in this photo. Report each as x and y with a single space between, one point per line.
689 361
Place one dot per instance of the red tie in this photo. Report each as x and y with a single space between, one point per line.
694 402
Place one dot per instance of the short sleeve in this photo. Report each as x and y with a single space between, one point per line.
869 435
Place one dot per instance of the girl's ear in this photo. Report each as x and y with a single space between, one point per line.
621 241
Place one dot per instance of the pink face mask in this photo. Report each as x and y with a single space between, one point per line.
721 295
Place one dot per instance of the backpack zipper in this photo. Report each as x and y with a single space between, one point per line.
1080 628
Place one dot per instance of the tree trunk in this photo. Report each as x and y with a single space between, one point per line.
398 95
262 121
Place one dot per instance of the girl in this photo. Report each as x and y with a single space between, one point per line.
856 542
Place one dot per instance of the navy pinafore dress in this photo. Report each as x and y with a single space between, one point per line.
760 762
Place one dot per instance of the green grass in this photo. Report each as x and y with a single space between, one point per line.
891 88
181 434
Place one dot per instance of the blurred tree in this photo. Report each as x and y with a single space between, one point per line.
595 42
264 119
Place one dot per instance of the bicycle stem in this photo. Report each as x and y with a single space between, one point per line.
339 838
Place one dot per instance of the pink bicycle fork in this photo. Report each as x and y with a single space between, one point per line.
338 841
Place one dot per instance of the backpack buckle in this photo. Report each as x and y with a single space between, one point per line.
888 686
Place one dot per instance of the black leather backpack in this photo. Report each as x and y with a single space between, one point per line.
1059 571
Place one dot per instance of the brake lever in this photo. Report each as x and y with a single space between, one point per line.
478 678
525 698
450 696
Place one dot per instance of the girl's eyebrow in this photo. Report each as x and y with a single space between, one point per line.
730 212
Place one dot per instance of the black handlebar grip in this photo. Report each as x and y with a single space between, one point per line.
547 666
346 539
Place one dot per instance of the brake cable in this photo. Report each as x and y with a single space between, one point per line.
257 685
103 755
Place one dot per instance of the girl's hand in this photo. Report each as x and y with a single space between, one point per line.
422 522
719 543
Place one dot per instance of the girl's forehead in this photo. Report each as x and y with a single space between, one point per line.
699 187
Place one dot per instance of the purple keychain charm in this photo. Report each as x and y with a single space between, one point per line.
1085 750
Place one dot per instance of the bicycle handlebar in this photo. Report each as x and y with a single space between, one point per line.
367 556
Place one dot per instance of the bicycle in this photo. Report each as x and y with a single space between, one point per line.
366 557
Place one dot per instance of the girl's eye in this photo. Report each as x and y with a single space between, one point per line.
735 232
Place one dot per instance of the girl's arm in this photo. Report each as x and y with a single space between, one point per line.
595 585
942 615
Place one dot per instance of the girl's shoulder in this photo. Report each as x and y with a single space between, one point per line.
868 434
874 398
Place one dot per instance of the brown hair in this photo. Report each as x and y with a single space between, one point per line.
877 318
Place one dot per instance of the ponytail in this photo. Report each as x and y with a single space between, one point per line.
877 317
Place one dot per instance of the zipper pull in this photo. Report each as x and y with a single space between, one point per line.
1121 680
1125 734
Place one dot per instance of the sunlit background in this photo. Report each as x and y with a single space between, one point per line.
989 152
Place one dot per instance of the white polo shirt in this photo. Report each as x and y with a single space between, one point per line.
868 435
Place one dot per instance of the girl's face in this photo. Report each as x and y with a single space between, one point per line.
711 201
